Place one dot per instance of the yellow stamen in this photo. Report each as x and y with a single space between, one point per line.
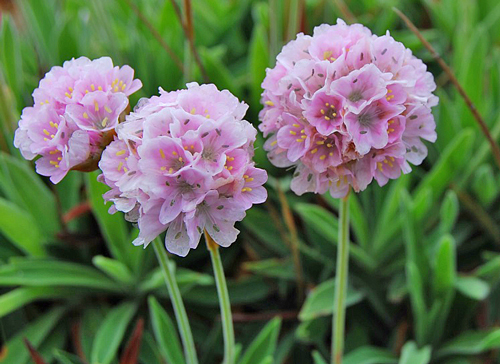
53 163
322 112
92 87
174 152
85 115
170 170
120 152
107 109
67 95
304 136
59 158
162 154
379 166
299 140
293 132
327 118
248 179
193 111
322 157
115 89
269 103
53 152
46 132
314 150
180 159
96 106
230 168
104 122
99 88
70 89
124 86
163 168
274 143
120 166
320 143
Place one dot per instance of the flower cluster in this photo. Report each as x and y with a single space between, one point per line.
182 163
344 106
76 109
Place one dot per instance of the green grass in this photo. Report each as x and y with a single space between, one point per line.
425 259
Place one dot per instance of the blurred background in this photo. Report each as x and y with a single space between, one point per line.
425 259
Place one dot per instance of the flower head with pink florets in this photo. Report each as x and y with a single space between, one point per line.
182 163
76 109
345 106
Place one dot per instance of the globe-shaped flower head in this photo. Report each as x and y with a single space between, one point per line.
345 106
182 163
76 108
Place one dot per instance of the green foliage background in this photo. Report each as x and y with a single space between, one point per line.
425 258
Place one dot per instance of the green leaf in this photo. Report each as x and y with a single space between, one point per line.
472 287
258 61
415 286
471 343
318 359
20 228
36 332
64 357
413 355
449 165
184 277
111 332
113 227
275 268
243 291
264 344
326 224
165 333
449 212
370 355
445 268
20 297
35 272
22 186
10 55
320 301
113 268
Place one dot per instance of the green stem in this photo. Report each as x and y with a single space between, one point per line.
225 305
341 283
175 297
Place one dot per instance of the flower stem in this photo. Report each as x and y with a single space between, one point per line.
175 297
225 305
341 283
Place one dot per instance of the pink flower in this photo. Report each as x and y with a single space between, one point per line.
345 106
76 109
182 163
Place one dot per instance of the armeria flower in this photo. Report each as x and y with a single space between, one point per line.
345 106
182 163
76 109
